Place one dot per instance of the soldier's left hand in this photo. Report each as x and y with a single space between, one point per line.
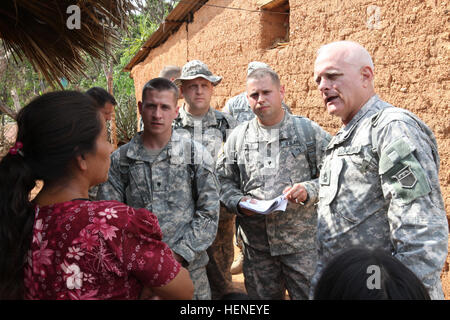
179 258
296 193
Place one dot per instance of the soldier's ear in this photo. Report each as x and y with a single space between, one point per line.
282 91
367 76
140 107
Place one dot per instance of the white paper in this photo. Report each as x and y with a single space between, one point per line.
265 206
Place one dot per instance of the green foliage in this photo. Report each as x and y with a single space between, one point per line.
18 75
144 28
22 77
126 122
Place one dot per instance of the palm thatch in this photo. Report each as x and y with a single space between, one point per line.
38 31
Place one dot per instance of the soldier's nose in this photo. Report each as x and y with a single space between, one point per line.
323 85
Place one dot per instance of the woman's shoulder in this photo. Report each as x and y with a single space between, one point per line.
85 205
136 220
117 207
103 213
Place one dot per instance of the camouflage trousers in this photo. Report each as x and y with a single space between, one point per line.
221 255
267 277
202 290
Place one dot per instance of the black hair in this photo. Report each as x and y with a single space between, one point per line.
101 96
350 276
160 84
53 129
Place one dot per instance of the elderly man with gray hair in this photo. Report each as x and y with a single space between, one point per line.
379 183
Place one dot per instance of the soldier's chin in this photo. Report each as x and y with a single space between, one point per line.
202 105
332 108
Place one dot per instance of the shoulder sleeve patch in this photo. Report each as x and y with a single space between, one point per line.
394 153
400 168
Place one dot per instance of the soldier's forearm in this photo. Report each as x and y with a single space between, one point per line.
231 197
198 235
312 188
420 238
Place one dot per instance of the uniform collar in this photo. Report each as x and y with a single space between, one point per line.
364 109
138 152
285 130
347 130
187 120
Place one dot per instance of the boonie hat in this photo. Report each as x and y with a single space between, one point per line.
197 69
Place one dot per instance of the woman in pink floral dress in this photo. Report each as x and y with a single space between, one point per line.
61 245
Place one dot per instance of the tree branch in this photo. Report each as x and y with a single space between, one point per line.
8 111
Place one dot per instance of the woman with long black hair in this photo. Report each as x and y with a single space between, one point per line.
61 245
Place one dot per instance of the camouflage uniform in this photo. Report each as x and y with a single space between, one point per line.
184 197
239 108
279 248
211 132
389 198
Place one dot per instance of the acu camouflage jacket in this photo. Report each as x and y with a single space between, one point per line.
179 187
379 187
259 166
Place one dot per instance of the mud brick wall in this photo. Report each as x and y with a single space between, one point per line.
408 40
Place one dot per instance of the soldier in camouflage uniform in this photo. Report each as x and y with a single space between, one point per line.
173 177
238 106
379 184
262 159
197 119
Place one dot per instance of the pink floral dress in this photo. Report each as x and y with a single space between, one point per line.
96 250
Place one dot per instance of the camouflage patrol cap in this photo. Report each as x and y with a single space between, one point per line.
197 69
252 66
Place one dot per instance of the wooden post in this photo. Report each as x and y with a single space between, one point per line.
138 118
15 98
109 80
8 111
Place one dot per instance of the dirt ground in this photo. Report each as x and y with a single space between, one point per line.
238 279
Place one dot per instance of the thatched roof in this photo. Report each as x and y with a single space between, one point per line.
38 31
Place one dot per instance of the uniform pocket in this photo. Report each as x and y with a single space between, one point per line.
361 157
178 186
254 161
329 180
138 192
296 165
